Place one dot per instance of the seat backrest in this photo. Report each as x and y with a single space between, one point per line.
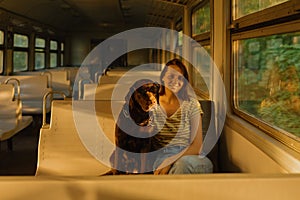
113 92
7 92
61 151
208 127
10 107
33 87
60 82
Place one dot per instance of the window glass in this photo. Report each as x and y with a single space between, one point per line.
53 60
267 76
245 7
40 45
1 37
202 76
20 41
20 53
201 20
20 61
61 59
180 37
53 45
1 61
40 42
39 60
62 46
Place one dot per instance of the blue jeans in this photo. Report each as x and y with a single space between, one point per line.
188 164
192 164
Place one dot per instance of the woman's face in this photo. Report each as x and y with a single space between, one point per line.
173 79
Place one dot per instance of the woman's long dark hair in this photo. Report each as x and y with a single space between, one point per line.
183 93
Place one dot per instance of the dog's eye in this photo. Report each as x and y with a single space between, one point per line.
141 90
154 89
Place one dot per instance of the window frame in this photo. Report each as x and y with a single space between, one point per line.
40 50
254 31
21 49
267 16
2 48
203 39
54 51
62 53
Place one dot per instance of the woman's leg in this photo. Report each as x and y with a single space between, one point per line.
192 164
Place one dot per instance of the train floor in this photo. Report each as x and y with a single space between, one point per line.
21 160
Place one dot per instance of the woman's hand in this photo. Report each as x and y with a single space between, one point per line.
164 170
166 165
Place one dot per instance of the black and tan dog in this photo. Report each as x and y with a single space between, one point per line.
130 140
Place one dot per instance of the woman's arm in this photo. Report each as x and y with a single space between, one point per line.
193 149
196 136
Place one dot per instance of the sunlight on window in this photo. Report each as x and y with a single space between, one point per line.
267 74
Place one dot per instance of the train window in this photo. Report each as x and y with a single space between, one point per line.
53 45
266 60
62 49
180 36
1 37
20 53
244 7
201 19
21 40
201 29
53 53
201 80
40 45
1 51
179 43
267 71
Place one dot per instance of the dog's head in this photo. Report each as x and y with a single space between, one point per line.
142 97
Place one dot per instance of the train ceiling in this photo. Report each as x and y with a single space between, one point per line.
79 15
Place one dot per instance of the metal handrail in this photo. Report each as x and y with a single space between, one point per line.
97 74
18 86
50 77
80 86
44 123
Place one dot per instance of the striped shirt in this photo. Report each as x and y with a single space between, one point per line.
175 130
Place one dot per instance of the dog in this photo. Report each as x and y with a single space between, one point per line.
130 140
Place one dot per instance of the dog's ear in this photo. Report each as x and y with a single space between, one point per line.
130 101
129 94
157 87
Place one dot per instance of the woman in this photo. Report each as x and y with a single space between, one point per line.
178 125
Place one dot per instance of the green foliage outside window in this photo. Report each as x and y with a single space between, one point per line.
268 79
201 20
245 7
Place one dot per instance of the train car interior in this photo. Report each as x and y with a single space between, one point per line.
67 65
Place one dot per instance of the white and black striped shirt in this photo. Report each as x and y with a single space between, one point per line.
175 130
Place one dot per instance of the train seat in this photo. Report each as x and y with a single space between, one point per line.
61 151
114 92
72 72
61 82
58 79
123 77
11 119
33 88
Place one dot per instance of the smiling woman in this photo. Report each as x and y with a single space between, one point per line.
178 125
